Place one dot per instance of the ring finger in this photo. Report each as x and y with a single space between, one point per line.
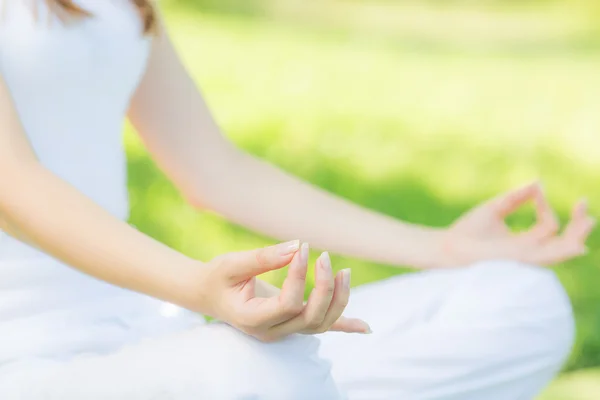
339 302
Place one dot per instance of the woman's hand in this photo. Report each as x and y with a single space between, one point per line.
482 233
229 293
343 324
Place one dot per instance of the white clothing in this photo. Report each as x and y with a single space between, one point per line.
71 87
498 331
493 331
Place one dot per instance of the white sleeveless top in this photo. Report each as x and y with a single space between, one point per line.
71 85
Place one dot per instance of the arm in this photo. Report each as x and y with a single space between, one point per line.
67 225
176 126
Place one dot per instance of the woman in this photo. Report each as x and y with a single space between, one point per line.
90 308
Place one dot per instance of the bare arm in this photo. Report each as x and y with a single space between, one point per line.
177 127
38 207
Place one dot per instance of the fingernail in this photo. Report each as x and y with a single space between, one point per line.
367 330
346 273
326 265
285 249
304 253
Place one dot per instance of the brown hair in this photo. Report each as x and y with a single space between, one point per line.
145 9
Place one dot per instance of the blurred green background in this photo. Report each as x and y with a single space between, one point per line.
417 109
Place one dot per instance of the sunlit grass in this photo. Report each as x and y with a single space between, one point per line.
419 132
583 385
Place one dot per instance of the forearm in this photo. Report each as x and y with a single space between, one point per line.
261 197
186 142
38 207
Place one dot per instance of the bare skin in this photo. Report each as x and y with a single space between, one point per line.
178 129
174 122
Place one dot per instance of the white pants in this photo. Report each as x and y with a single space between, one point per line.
493 331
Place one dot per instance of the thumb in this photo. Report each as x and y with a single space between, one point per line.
248 264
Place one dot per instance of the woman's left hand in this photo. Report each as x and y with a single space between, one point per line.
483 234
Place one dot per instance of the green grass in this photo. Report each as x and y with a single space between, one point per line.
417 123
583 385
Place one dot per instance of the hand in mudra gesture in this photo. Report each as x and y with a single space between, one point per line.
483 234
231 294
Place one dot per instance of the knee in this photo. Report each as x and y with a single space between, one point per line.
529 299
524 290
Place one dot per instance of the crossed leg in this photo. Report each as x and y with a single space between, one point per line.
494 331
212 361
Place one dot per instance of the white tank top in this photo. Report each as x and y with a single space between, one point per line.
71 85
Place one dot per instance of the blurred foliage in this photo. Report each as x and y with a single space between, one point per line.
417 111
584 385
258 6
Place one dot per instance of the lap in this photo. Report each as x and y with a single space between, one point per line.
211 361
494 331
497 330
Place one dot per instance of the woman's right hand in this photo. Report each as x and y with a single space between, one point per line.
228 292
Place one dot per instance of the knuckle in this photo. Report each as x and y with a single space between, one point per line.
261 257
328 290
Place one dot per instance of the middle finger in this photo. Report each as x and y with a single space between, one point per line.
318 302
338 303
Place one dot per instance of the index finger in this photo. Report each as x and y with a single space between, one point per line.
248 264
288 303
291 297
508 203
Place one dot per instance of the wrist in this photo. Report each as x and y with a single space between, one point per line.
433 250
451 249
421 247
185 288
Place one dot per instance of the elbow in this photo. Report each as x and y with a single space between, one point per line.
15 174
205 195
